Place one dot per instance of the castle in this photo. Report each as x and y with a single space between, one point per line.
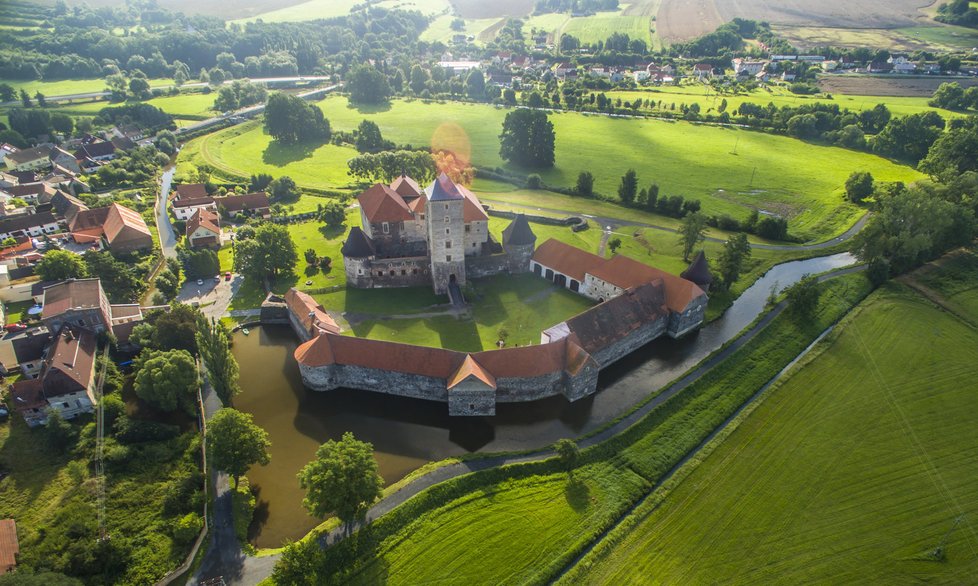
402 244
438 236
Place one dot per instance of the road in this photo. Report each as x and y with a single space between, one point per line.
168 238
242 114
241 570
614 223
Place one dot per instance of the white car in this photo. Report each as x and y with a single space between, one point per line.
200 281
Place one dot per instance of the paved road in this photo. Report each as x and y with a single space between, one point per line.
212 296
168 239
239 116
247 571
614 223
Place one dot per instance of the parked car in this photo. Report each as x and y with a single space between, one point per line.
17 327
200 281
227 276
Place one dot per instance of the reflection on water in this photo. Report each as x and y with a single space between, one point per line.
407 432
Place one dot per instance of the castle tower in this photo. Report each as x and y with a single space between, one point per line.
446 234
519 242
358 253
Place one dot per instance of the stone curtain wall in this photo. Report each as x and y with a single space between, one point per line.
408 272
681 324
477 267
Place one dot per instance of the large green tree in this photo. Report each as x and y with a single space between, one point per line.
167 379
367 85
736 251
270 253
215 351
528 138
343 479
58 265
235 442
290 119
368 138
955 152
910 137
120 280
692 231
628 187
859 186
803 297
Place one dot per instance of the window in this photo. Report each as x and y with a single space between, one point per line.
414 272
422 216
448 244
359 271
78 402
448 230
386 227
446 219
446 207
403 272
392 273
473 245
468 228
448 258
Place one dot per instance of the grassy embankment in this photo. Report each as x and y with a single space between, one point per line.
854 470
510 503
696 161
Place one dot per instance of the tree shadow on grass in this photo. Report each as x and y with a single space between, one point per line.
330 232
577 493
370 108
279 154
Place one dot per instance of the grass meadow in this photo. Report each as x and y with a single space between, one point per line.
318 9
66 87
854 470
536 530
696 161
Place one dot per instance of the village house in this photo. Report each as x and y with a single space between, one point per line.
203 229
95 152
190 191
5 149
28 225
24 351
902 64
703 70
123 229
251 204
79 303
29 159
34 193
743 67
67 382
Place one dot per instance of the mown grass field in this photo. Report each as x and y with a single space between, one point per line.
709 100
64 87
696 161
854 470
591 29
187 106
438 530
319 9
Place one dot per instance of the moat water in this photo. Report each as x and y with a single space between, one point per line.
406 433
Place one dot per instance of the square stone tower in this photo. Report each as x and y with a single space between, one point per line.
446 234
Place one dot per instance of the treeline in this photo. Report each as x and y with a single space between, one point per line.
729 38
959 12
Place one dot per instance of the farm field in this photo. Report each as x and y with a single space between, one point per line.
854 470
440 29
188 106
318 9
500 8
710 100
763 172
66 87
889 88
908 38
591 29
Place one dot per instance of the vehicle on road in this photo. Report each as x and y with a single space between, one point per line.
200 281
227 276
16 327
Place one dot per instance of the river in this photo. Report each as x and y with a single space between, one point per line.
406 433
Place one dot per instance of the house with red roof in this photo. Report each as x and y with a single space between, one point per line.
204 229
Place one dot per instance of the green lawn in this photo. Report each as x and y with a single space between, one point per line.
851 472
317 9
709 100
441 30
591 29
801 181
189 106
16 311
502 535
66 87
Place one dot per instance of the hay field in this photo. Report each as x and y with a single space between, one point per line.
853 471
494 9
919 87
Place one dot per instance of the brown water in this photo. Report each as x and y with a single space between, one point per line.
406 433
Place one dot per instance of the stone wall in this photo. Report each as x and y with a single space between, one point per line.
631 342
519 257
688 320
274 313
477 267
407 272
470 398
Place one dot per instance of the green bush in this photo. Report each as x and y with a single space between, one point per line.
187 528
243 503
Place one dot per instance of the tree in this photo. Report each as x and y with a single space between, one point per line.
198 264
954 153
528 138
58 265
859 186
343 479
614 244
949 96
803 297
419 77
368 138
259 182
652 197
139 87
909 138
270 253
119 280
13 137
333 214
692 231
475 85
283 189
290 119
585 184
367 85
628 187
235 442
7 92
311 256
167 284
567 452
41 100
167 379
25 99
736 251
214 344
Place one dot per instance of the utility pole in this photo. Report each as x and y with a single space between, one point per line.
734 152
752 173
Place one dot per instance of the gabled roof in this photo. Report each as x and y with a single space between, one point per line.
358 244
192 202
27 155
25 221
444 189
95 149
28 394
9 547
406 187
472 210
626 273
70 363
191 190
471 368
698 271
36 189
417 204
316 352
309 312
567 259
614 319
518 232
203 219
125 225
67 205
239 203
380 203
71 294
88 219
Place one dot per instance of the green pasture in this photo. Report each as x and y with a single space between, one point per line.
189 106
855 470
591 29
441 30
66 87
319 9
801 181
709 100
945 36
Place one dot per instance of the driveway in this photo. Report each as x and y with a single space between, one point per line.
213 296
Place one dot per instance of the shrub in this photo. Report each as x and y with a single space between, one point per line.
187 528
533 181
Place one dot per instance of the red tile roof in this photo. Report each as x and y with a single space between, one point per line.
471 368
123 225
27 394
191 191
190 202
406 187
71 294
70 363
9 547
203 219
380 203
309 312
626 273
472 210
240 203
566 259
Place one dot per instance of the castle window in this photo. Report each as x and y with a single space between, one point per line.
446 219
392 273
359 271
403 272
448 230
448 258
422 216
387 228
468 228
446 207
448 244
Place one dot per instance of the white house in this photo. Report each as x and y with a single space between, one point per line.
744 67
28 225
184 208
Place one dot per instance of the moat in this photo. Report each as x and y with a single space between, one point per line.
406 433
